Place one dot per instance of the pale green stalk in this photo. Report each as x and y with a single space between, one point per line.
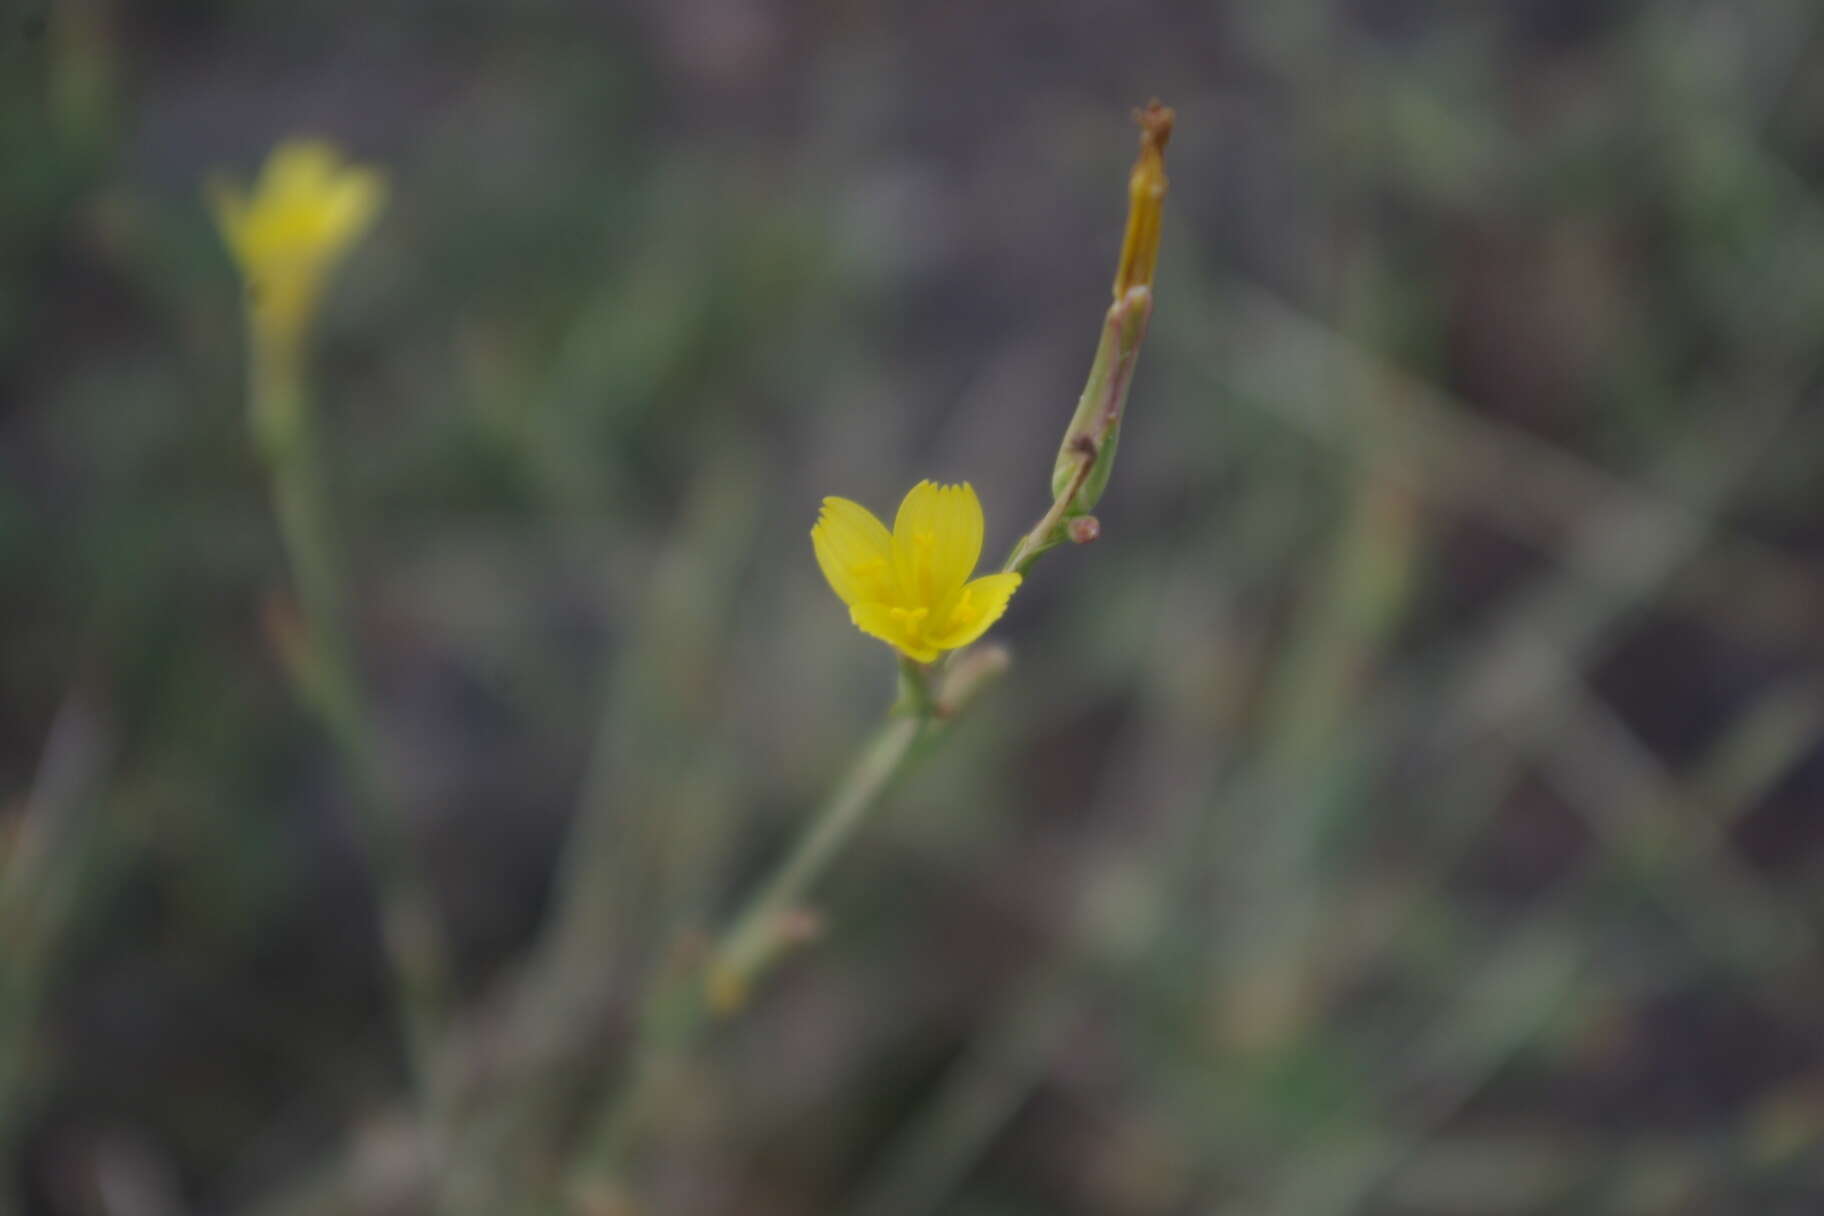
768 925
759 935
319 653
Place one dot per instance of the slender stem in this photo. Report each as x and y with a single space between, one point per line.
759 934
322 665
43 876
766 927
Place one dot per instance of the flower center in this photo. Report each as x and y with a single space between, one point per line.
910 618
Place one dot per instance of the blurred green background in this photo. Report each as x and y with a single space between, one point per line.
1409 807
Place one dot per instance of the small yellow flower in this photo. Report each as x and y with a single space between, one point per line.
306 210
911 588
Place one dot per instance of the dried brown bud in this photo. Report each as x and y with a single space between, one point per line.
1084 528
1145 200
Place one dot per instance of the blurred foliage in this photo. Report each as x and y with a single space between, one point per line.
1409 807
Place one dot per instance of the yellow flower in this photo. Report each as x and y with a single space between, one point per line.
911 588
306 210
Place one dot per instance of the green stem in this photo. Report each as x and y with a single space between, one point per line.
323 667
45 875
764 929
760 933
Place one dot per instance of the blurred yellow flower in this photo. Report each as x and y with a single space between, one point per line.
911 588
307 208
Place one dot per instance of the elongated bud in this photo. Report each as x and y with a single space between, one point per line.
1145 200
1087 454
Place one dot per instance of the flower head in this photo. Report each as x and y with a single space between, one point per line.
306 210
911 587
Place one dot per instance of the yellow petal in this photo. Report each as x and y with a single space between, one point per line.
350 205
299 167
978 605
306 209
891 626
855 552
937 537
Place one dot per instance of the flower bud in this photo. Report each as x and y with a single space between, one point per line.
1087 454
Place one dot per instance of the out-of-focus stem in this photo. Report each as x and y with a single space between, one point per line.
319 653
44 870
